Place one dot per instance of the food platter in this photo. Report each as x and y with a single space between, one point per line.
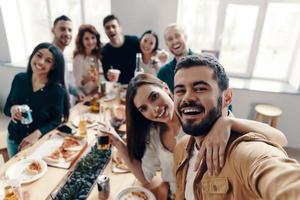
60 150
27 170
135 193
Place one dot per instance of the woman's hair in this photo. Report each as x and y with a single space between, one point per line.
57 74
80 49
154 35
138 126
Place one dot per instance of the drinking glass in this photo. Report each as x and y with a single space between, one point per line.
82 125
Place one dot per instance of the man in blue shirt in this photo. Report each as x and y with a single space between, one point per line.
120 52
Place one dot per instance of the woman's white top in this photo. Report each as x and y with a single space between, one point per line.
81 67
148 68
157 157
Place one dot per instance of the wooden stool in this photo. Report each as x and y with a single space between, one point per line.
3 145
267 113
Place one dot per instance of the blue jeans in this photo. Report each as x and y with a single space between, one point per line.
12 148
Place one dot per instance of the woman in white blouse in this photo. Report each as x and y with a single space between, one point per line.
152 57
153 130
86 64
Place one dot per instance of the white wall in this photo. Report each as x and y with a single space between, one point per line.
137 16
289 123
6 76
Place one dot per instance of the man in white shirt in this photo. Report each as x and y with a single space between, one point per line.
62 31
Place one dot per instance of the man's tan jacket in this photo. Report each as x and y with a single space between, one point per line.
254 169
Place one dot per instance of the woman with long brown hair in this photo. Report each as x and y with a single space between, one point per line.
153 130
86 63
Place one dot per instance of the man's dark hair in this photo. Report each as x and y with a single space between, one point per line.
206 60
109 18
63 18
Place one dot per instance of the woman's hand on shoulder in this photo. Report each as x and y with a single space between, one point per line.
213 147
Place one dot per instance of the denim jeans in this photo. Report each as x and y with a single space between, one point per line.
12 147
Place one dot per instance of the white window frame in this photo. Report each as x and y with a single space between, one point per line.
262 12
18 58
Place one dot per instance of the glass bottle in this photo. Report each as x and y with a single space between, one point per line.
93 70
138 68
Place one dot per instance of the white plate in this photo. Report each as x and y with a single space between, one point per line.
17 171
127 194
89 117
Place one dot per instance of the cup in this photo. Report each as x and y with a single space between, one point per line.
82 126
113 74
12 189
103 142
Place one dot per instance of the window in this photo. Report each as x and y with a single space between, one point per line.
256 38
237 37
278 41
194 23
36 20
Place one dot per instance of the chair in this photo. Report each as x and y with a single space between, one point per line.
3 145
267 113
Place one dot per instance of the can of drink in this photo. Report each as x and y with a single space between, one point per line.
103 187
26 114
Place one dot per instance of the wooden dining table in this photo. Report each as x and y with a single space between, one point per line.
44 186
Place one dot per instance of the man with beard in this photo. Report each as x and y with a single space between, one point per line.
119 53
62 32
176 41
255 168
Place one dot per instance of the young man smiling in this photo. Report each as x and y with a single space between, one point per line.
176 41
255 168
62 32
119 53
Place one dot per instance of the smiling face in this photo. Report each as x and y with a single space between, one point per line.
113 31
198 100
62 33
154 103
148 43
89 41
176 41
42 62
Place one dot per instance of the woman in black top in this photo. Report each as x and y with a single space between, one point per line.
42 88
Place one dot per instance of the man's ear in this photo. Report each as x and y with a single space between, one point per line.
227 96
52 30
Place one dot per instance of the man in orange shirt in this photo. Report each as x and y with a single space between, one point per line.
255 168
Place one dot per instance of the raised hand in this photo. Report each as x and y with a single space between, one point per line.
213 147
